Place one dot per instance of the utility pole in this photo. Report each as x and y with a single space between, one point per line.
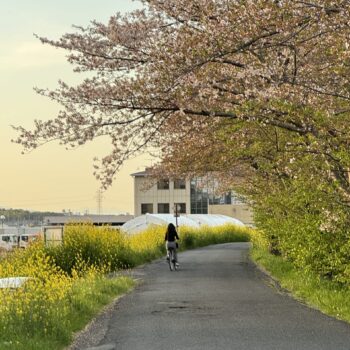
99 198
176 214
2 218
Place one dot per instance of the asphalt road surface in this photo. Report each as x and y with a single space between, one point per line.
217 300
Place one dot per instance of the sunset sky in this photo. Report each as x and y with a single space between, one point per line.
50 178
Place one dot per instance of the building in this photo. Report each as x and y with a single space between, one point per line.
191 196
97 220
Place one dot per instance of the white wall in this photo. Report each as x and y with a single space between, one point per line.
238 211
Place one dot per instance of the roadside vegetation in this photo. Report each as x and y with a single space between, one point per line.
324 294
70 283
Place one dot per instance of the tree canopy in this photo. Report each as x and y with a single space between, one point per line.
258 89
177 67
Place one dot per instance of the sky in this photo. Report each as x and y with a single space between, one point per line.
50 178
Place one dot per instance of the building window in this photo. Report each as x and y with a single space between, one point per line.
146 208
163 208
181 208
163 184
199 196
221 199
179 184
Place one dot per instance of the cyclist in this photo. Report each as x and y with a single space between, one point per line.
170 241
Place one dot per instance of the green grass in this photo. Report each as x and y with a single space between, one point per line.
329 297
86 300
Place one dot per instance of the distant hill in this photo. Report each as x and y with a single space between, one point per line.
14 217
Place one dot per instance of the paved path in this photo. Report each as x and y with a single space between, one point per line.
218 300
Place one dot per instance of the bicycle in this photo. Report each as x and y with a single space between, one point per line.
171 260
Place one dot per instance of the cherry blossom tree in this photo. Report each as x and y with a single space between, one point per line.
202 81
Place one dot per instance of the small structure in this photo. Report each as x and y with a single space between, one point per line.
96 220
143 222
53 235
12 282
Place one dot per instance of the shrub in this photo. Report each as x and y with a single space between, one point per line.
300 222
99 246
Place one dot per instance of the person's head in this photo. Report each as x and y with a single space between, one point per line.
171 228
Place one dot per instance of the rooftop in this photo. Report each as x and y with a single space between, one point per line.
95 219
140 174
142 222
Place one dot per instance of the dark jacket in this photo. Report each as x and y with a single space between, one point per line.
170 237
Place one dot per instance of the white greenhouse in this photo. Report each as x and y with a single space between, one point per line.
143 222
